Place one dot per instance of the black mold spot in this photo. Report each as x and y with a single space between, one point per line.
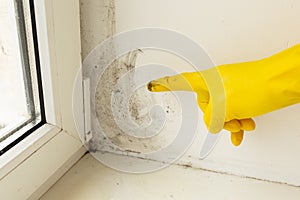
131 151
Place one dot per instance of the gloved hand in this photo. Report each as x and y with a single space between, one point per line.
251 89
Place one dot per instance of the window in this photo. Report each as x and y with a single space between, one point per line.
55 36
21 100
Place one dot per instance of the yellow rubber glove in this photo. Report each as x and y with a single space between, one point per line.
251 89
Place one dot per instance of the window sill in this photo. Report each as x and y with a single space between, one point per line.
31 167
28 146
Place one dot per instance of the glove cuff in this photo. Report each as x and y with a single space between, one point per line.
217 102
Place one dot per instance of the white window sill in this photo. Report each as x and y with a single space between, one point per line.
31 167
24 149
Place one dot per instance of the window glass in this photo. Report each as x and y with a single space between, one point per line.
20 85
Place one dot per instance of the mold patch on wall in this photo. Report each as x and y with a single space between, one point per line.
122 134
98 24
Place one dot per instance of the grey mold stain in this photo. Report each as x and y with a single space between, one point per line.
93 31
3 50
138 103
2 126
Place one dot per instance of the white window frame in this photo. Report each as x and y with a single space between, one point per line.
32 166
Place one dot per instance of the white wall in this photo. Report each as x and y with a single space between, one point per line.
231 31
